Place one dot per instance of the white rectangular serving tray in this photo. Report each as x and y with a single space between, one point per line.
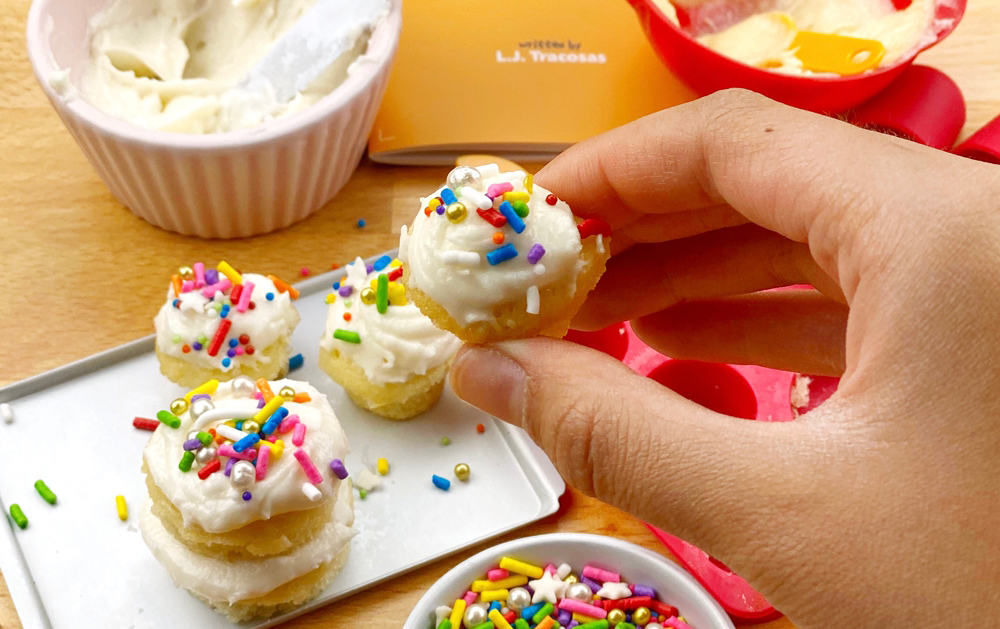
77 565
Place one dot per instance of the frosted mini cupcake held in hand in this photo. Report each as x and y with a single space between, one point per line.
492 256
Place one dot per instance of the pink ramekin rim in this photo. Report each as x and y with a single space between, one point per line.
382 45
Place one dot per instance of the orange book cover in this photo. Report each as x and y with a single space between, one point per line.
519 78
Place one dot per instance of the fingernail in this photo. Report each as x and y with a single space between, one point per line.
491 381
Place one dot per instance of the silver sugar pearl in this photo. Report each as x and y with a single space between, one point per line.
518 599
464 176
243 475
204 455
579 592
476 614
243 386
201 405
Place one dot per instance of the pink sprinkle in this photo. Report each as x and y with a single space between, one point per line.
298 434
222 285
497 189
305 271
187 285
199 275
307 466
676 623
602 576
227 450
272 438
496 574
573 605
262 458
288 423
245 295
470 597
551 568
238 349
257 395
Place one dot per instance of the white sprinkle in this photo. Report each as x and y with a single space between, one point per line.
533 300
539 269
563 570
366 480
441 613
488 170
229 432
404 243
7 413
311 492
614 591
476 198
600 243
462 258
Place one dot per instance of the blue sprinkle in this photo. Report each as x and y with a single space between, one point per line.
295 362
381 263
361 223
448 196
513 219
227 361
440 482
239 424
495 605
246 442
336 285
224 312
528 612
233 342
269 296
231 352
177 303
247 495
196 346
501 254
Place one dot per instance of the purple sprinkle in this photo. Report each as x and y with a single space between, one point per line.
643 590
229 465
440 209
338 469
200 395
594 585
345 290
247 495
564 617
572 624
211 276
193 444
535 253
261 402
231 353
370 268
196 346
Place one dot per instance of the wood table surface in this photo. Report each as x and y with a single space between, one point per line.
81 274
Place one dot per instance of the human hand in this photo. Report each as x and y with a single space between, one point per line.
878 508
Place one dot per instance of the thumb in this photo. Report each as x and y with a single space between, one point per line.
635 444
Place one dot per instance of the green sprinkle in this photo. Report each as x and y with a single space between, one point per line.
597 624
347 303
346 335
204 438
44 491
382 293
202 339
363 493
624 625
445 441
186 461
486 625
18 515
521 623
176 338
445 624
540 615
169 419
520 208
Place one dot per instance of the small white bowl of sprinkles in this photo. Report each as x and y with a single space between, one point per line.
568 580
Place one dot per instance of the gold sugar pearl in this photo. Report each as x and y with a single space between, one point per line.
186 273
367 296
250 426
615 616
287 392
641 616
570 579
456 212
178 406
462 471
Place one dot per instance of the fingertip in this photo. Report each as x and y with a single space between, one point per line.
491 381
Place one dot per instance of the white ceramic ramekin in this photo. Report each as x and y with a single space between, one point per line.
222 185
673 585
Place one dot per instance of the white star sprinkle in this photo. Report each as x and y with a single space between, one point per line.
548 588
614 591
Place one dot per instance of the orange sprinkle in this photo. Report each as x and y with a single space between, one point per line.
175 281
186 348
480 428
347 316
427 211
498 237
334 266
301 397
283 286
545 624
265 389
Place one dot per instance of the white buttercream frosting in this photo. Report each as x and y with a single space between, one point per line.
448 261
215 504
236 580
196 316
395 345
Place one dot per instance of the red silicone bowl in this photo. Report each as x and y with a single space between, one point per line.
706 71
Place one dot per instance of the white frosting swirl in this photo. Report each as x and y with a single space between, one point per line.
232 581
214 504
395 345
438 252
196 316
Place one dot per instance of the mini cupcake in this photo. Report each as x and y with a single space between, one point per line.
220 323
491 256
387 355
240 513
